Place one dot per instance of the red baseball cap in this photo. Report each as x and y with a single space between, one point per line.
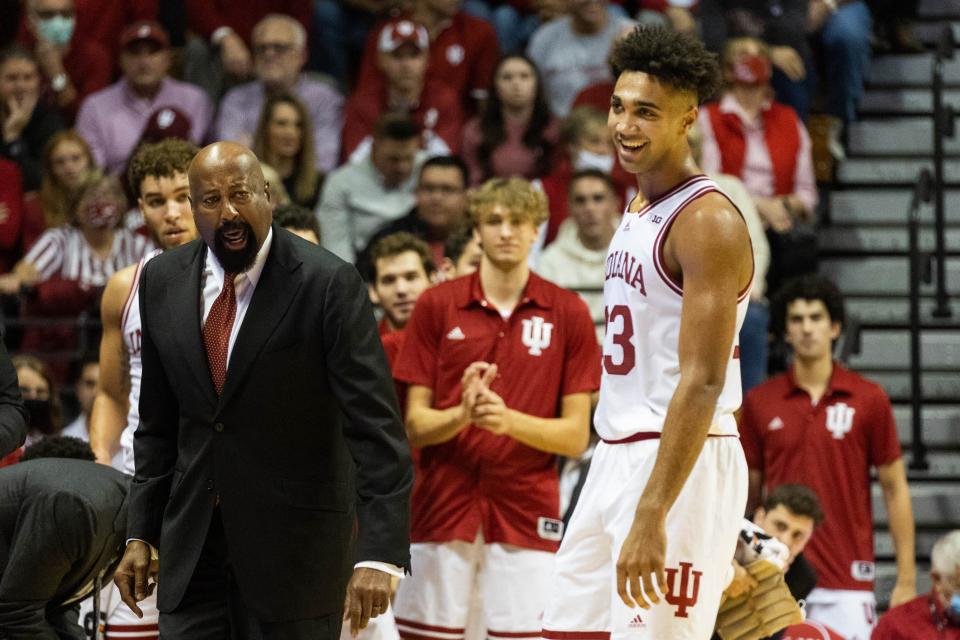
144 30
400 32
166 122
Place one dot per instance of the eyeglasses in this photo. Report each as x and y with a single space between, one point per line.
278 48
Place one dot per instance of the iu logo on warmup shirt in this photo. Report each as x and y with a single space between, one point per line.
536 335
840 419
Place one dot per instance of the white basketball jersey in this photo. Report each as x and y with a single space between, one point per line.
130 326
641 364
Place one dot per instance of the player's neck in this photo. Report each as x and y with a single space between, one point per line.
653 184
503 286
813 375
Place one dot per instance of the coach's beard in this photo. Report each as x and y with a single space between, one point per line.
235 260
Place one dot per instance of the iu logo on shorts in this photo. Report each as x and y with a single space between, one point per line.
683 596
536 335
840 419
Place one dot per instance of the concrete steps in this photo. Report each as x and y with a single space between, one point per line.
857 207
890 349
887 275
882 238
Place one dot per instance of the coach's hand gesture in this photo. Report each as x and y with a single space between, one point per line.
368 596
133 573
641 579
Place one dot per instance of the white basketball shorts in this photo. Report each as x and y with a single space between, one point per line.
702 528
433 602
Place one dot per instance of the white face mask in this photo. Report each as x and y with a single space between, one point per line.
57 29
590 160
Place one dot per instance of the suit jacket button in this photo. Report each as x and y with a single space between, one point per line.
218 427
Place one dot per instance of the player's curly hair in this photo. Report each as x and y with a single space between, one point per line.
161 159
518 196
678 59
58 447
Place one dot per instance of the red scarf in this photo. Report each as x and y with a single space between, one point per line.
780 133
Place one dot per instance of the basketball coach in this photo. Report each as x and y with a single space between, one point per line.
271 462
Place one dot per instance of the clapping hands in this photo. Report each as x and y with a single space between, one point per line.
482 406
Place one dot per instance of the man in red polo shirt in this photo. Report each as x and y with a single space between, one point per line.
407 87
463 50
402 269
825 426
501 365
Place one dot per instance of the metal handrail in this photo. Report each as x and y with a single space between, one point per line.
943 127
922 193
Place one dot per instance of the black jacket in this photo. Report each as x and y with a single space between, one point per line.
62 522
304 445
13 417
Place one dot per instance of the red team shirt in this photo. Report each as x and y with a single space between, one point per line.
462 58
829 447
547 349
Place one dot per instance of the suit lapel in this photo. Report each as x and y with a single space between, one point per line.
184 292
275 290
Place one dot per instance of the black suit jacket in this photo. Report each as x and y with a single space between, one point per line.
304 444
13 417
62 522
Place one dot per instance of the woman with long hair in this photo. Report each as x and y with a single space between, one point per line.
516 135
67 164
284 141
40 397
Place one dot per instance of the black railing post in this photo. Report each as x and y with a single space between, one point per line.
922 193
942 128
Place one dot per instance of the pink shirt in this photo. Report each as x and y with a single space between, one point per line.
511 158
757 167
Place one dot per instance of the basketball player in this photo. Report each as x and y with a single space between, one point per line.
501 364
158 177
649 546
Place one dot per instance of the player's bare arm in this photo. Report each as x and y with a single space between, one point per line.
896 497
755 490
427 426
709 250
110 408
566 435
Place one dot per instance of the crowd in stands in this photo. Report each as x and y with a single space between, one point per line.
374 119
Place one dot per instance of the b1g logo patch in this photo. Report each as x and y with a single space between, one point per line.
863 570
536 335
550 528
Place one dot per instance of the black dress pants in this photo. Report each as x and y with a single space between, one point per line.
213 609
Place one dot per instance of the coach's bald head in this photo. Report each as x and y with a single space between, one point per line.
231 203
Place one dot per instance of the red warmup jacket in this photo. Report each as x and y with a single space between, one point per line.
919 619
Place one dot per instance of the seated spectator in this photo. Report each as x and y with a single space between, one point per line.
279 53
85 389
782 25
761 141
284 140
463 51
65 271
402 268
576 259
113 120
844 30
441 207
298 221
11 215
27 124
41 398
827 427
754 334
227 25
516 20
934 615
68 165
597 95
362 196
893 26
74 63
516 135
585 139
675 14
571 51
406 89
461 253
